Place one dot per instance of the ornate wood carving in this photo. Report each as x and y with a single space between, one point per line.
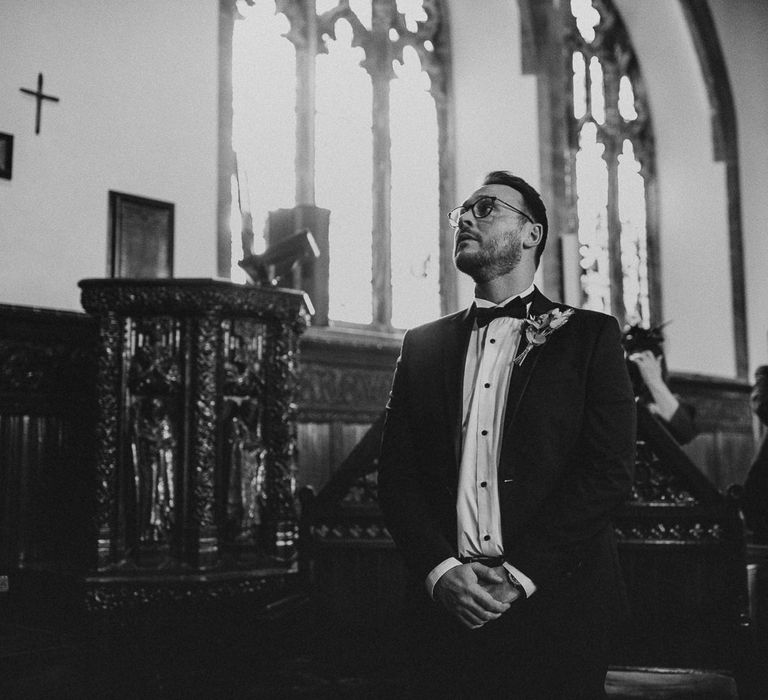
207 359
338 393
722 405
111 538
244 421
191 373
281 438
114 594
670 531
153 421
28 367
195 296
345 378
655 483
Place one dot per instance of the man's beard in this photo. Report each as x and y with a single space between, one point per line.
494 261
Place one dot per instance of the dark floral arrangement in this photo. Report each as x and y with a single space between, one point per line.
636 338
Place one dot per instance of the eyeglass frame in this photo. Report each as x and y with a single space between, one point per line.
475 214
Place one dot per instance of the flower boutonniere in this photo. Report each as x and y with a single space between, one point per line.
540 328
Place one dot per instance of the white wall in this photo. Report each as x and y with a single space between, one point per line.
138 114
743 27
693 226
496 109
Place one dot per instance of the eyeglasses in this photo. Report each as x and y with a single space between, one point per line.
481 208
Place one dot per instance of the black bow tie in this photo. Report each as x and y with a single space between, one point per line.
513 309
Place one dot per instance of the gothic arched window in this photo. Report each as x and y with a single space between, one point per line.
612 174
342 104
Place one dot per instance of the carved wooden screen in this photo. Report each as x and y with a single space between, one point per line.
612 166
360 98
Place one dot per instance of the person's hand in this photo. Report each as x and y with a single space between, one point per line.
461 592
496 582
664 402
649 367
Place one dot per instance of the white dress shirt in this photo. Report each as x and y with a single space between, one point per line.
487 371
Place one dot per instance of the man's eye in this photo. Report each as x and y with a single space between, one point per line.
484 207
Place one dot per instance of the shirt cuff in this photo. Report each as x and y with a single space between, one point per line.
528 586
437 572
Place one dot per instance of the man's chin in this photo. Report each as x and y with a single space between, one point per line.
470 265
464 261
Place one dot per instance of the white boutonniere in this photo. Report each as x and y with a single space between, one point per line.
540 328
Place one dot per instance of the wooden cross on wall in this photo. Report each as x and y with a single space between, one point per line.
39 96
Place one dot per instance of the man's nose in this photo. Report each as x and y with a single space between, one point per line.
463 221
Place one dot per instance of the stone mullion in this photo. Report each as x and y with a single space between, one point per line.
614 234
306 70
652 247
641 135
437 65
303 34
378 62
225 153
382 205
612 139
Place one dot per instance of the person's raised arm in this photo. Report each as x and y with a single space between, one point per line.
665 403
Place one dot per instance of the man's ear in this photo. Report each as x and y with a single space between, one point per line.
533 237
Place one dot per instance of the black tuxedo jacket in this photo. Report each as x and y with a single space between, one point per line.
567 453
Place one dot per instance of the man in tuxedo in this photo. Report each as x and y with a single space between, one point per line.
756 485
509 441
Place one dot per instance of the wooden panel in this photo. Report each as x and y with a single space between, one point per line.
682 608
344 382
31 450
735 451
47 407
345 376
323 447
702 451
725 444
313 440
351 433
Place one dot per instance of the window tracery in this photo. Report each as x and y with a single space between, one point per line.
369 144
612 155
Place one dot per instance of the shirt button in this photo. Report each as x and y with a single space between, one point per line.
483 484
487 537
487 385
493 340
483 432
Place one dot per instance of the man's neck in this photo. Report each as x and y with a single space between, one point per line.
501 288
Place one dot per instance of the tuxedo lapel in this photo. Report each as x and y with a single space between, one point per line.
454 356
521 374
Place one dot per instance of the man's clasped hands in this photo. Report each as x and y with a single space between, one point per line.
475 593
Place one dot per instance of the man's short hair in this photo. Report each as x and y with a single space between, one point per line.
531 197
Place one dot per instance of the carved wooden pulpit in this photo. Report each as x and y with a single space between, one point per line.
196 435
